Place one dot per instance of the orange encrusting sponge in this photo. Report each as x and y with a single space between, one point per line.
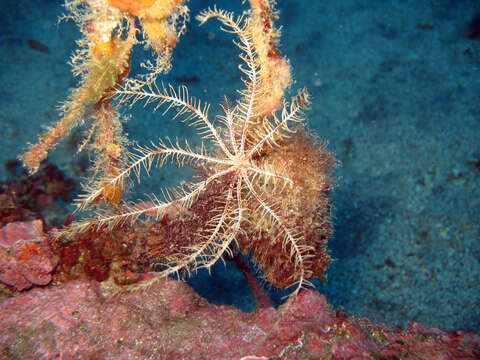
132 6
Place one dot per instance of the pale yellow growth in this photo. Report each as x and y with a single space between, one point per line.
103 61
275 72
162 24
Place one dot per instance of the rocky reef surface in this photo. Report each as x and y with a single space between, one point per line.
86 319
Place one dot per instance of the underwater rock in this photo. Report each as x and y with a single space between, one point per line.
25 255
168 320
